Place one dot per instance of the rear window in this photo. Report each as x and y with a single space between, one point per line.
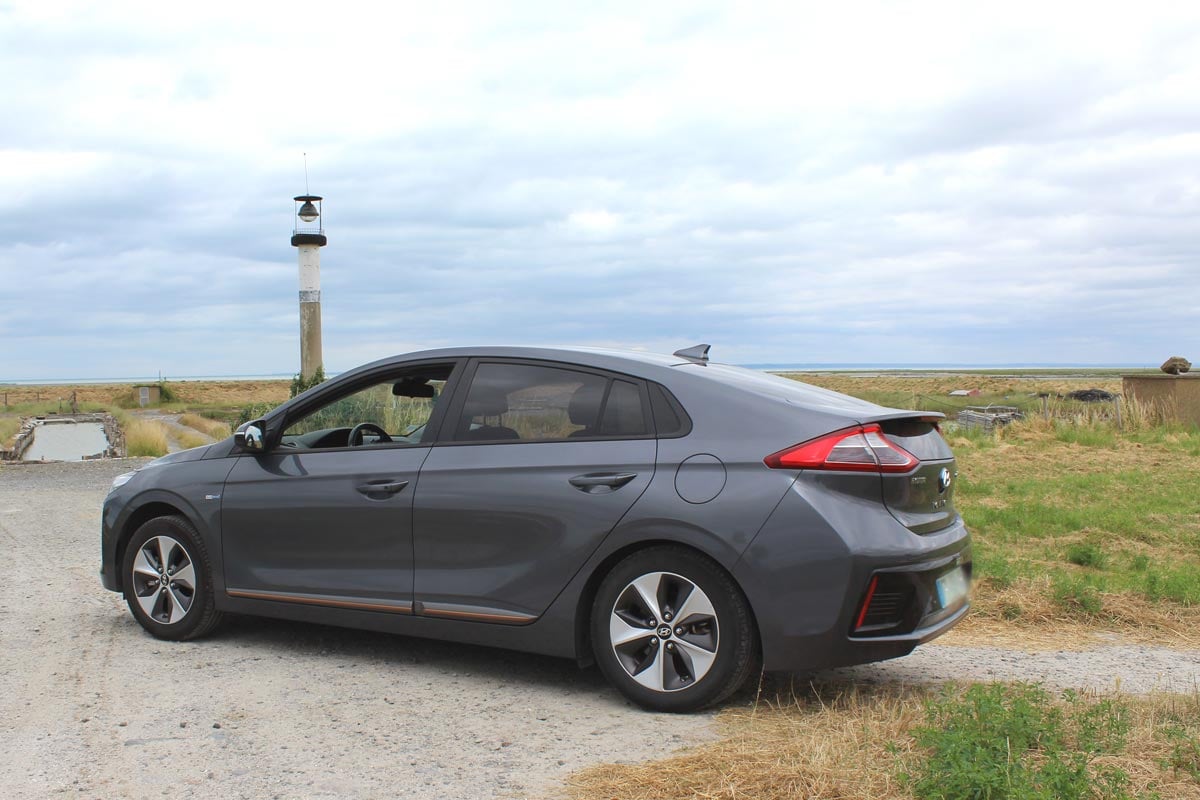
919 438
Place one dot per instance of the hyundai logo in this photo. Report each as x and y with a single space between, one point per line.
943 480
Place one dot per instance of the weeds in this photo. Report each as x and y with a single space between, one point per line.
209 427
145 438
974 742
1013 742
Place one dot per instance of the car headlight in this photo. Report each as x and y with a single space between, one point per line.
120 481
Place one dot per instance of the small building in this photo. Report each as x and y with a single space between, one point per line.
147 395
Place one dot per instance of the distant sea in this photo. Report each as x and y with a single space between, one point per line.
782 367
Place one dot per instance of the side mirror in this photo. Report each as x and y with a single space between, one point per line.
250 436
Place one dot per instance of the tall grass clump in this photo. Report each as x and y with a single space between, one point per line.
209 427
188 440
145 438
9 426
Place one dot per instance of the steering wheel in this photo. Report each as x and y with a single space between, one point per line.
356 433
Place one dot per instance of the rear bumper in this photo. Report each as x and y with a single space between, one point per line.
807 575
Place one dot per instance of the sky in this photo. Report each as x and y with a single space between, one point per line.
907 183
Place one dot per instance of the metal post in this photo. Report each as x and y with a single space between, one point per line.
1117 403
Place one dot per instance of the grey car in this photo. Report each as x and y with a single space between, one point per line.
680 523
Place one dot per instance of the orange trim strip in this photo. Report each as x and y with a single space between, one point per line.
395 608
513 619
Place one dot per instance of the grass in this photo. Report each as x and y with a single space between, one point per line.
210 427
188 440
145 438
9 427
1005 742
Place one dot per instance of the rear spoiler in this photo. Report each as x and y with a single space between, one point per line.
894 414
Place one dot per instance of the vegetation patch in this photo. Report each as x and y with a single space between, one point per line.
145 437
994 741
210 427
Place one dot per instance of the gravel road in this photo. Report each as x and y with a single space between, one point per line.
93 707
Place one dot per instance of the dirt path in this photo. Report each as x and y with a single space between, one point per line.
94 707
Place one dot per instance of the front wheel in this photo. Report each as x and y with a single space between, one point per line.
672 631
167 580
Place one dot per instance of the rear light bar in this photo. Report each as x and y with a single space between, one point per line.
863 448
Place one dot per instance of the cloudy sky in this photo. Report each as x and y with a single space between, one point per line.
827 182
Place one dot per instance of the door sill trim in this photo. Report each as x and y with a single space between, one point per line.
356 603
474 614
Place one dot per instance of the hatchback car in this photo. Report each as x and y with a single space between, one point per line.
681 523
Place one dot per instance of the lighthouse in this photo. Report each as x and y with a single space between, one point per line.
308 237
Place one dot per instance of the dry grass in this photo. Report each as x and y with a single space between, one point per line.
145 438
188 440
843 742
9 427
227 394
942 385
209 427
827 743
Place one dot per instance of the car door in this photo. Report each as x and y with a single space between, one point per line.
536 464
324 520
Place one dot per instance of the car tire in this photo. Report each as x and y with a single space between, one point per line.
167 578
672 631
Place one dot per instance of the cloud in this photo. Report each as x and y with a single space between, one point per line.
792 182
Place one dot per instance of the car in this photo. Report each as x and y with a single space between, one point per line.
680 523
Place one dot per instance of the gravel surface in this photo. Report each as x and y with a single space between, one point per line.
92 706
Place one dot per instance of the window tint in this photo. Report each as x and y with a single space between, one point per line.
623 411
669 417
534 403
400 407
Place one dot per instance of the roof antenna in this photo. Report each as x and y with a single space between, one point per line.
696 355
306 174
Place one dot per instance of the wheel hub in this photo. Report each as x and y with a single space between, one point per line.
663 630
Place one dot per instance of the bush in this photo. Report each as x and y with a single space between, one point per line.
300 385
1015 742
253 411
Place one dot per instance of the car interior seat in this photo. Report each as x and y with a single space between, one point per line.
584 409
485 401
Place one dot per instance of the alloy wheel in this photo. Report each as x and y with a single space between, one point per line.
664 632
163 580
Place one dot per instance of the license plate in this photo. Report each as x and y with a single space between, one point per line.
952 588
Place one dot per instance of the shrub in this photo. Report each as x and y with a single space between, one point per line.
299 384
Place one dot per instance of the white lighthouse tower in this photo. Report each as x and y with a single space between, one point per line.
308 238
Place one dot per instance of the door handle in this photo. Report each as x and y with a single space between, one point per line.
382 487
599 482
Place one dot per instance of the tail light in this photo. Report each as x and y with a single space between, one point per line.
859 449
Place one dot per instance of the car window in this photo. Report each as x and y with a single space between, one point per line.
391 412
509 402
623 411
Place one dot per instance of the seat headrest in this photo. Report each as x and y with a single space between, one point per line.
585 404
485 401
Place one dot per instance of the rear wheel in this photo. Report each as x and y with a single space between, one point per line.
672 631
167 580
